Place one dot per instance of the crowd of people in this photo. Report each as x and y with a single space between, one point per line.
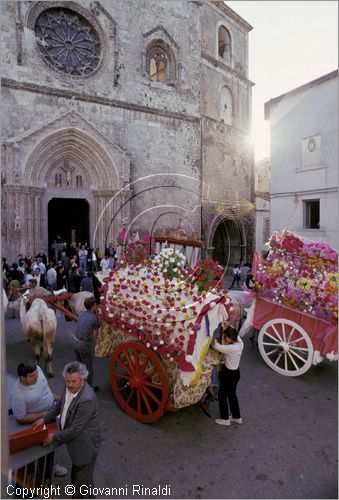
71 267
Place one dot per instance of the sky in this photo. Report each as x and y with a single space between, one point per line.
292 43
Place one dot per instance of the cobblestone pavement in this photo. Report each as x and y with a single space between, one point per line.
286 447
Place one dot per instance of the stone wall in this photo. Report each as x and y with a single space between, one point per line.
161 146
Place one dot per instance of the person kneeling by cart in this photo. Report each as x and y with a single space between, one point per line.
229 376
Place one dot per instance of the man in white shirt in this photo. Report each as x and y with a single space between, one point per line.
52 278
79 426
229 376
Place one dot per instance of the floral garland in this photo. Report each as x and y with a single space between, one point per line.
207 274
170 262
136 253
158 305
300 275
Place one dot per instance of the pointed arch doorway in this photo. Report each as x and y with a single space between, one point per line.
68 219
228 243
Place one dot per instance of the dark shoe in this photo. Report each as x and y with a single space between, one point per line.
96 388
206 409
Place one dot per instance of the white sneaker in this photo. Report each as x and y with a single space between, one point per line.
236 420
222 421
59 470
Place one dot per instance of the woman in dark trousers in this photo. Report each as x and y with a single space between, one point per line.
229 377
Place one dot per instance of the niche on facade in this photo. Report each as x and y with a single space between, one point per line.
224 44
226 106
160 57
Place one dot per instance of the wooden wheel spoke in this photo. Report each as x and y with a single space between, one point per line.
293 355
277 333
272 352
296 355
120 375
278 358
151 395
145 399
136 361
151 384
125 367
143 367
292 347
130 396
271 337
292 359
138 401
129 361
290 334
148 375
298 340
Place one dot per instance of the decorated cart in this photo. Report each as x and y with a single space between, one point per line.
296 304
158 321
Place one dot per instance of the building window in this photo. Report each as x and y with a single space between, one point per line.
158 67
160 63
224 43
67 42
312 214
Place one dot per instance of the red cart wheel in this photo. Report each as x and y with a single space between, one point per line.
139 382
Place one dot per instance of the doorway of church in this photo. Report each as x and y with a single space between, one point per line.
68 220
228 244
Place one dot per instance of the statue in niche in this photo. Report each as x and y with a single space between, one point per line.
68 170
57 180
78 181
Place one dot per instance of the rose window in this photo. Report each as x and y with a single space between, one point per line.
67 42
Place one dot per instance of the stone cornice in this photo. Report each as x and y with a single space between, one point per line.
104 101
220 5
221 65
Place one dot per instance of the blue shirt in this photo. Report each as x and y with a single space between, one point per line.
88 322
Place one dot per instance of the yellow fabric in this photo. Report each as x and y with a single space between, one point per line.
198 371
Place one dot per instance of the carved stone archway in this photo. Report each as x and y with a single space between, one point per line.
71 159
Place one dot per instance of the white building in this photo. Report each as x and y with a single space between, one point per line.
262 204
304 160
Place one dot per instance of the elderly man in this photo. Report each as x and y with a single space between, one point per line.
79 426
32 398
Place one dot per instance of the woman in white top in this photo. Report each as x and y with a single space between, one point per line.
229 377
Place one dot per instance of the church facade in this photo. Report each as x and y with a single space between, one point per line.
125 112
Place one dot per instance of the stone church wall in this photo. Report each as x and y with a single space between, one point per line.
122 127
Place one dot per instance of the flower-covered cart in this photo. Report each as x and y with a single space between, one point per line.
296 306
158 319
